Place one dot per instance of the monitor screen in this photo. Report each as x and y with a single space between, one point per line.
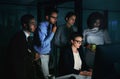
107 62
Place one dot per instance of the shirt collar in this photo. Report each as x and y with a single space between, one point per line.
26 34
48 23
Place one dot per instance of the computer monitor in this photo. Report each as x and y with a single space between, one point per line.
107 62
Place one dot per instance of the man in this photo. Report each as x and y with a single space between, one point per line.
20 53
65 31
46 31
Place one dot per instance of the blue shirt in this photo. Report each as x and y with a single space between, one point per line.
45 37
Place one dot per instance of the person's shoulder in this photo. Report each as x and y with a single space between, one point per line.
86 30
19 33
75 28
62 26
104 30
68 49
43 24
17 36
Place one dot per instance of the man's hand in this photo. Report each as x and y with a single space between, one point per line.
54 28
37 56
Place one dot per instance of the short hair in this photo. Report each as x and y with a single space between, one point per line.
49 11
93 17
26 18
69 14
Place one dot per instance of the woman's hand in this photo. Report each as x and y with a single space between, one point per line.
91 47
86 73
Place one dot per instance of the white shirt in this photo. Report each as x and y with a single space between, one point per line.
26 34
77 61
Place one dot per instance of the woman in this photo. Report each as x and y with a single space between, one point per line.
95 34
62 35
72 61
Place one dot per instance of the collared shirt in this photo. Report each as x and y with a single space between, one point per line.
26 34
45 38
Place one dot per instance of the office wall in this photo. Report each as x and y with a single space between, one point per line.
10 20
9 24
114 26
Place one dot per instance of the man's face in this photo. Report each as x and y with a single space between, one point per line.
53 18
71 20
32 25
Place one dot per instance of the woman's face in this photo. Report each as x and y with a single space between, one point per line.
97 23
77 42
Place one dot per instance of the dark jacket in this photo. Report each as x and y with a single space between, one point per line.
66 65
19 59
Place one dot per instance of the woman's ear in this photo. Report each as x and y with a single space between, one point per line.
71 41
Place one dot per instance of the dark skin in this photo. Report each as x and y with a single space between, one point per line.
31 27
95 24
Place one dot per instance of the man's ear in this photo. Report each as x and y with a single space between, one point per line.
47 17
24 25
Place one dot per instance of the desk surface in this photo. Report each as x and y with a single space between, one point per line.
76 76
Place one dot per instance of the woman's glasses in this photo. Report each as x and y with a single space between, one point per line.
79 42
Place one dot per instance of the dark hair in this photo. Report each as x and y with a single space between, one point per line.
49 11
74 35
26 18
93 17
69 14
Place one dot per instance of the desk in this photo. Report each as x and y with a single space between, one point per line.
76 76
